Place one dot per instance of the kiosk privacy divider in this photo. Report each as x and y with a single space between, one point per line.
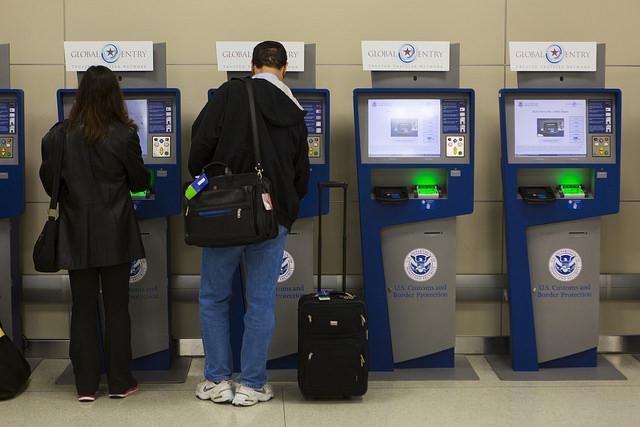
561 141
415 161
296 273
156 110
12 188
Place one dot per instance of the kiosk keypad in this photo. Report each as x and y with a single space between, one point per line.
161 146
6 147
455 146
601 146
314 146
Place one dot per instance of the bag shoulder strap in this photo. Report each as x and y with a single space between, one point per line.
57 177
254 125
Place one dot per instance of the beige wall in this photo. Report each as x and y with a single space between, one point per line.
36 30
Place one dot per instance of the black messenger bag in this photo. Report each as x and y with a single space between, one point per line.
233 209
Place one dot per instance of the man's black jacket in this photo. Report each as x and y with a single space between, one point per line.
222 132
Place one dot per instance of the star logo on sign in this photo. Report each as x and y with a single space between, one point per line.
554 53
111 52
407 53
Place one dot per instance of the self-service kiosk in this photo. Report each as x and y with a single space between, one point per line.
414 150
156 112
12 184
296 273
561 172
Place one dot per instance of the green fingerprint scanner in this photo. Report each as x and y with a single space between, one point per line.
427 192
571 191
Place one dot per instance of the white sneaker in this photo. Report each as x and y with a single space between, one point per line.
220 392
247 396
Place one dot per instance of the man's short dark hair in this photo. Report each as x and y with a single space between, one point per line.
269 54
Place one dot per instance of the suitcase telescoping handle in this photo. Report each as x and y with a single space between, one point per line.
321 186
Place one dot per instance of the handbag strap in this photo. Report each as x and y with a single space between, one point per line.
57 176
254 126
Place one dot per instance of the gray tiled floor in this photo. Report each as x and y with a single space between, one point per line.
487 402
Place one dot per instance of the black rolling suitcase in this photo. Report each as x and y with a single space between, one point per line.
332 331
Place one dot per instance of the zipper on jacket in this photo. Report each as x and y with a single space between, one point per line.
361 361
239 213
310 318
363 320
310 356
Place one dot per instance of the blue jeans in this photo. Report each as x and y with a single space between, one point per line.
263 261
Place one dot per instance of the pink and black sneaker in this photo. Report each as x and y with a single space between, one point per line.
127 392
86 398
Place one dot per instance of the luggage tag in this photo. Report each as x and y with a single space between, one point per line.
266 201
196 186
324 295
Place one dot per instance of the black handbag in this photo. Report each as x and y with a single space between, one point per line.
14 368
45 251
233 209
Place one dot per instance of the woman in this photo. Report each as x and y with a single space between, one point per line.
98 232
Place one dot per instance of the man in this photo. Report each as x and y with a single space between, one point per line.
222 132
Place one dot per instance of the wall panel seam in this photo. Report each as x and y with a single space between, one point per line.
206 64
174 64
64 32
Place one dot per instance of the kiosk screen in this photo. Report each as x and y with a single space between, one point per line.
404 127
138 112
550 128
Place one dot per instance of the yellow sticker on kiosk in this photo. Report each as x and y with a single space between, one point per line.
1 333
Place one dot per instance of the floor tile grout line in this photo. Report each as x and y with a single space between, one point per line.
609 384
284 410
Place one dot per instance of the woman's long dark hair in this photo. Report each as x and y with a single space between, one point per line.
98 104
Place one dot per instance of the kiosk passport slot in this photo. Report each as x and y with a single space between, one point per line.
414 149
560 149
537 194
391 194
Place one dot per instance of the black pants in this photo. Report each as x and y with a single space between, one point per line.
85 346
